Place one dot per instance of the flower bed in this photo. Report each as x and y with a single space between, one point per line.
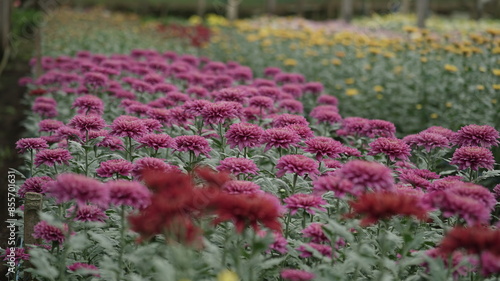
161 166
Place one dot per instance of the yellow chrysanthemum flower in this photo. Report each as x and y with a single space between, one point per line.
496 86
227 275
378 88
494 101
290 62
351 92
423 59
418 106
336 62
434 115
450 68
449 104
496 72
480 87
349 81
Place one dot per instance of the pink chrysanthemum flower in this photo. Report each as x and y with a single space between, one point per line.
77 187
95 80
476 135
50 157
303 131
332 164
471 202
151 163
367 175
391 147
284 120
496 190
313 87
296 164
354 126
293 89
316 233
291 105
409 176
34 184
324 147
89 104
473 157
177 97
296 275
49 233
305 252
195 107
380 128
230 94
328 100
197 144
447 133
339 186
15 254
128 126
241 187
238 166
87 213
178 116
85 123
270 92
243 135
113 143
156 141
151 125
280 138
160 114
306 202
279 244
271 71
261 102
444 183
219 112
31 144
49 125
128 193
427 140
326 114
77 266
114 167
45 110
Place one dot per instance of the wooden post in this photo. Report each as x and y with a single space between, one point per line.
346 10
232 9
271 7
33 205
330 9
4 25
201 8
422 12
405 6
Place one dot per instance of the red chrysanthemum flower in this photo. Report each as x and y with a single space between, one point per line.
375 206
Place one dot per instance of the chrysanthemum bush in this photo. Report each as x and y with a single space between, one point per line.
161 166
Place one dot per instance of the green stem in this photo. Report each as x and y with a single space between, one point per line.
122 242
31 163
294 183
287 223
67 235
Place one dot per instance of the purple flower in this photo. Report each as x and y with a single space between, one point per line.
89 104
17 255
334 183
219 112
409 176
279 244
113 167
150 163
49 233
196 144
156 141
427 140
366 174
49 125
113 143
129 193
291 105
296 164
31 144
313 87
327 99
261 102
160 114
293 89
230 94
243 135
296 275
392 147
316 233
50 157
305 252
279 137
87 213
326 114
271 71
476 135
238 166
473 157
86 123
303 131
78 266
447 133
307 202
241 187
324 147
34 184
286 119
95 80
45 110
77 187
195 107
380 128
128 126
354 126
